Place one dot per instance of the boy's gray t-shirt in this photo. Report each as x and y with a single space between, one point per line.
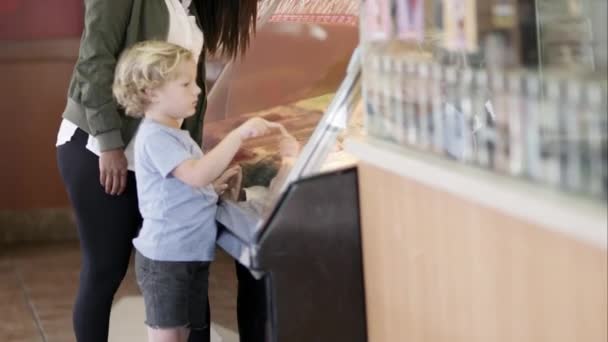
179 220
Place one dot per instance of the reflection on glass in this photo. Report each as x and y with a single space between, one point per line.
291 75
516 87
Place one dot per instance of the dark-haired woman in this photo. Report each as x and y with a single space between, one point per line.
95 139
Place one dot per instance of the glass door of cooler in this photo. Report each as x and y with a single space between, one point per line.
516 87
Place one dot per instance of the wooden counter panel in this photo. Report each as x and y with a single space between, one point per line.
441 269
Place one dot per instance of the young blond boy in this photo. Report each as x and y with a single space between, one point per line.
175 185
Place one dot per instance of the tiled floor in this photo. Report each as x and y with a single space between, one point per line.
38 284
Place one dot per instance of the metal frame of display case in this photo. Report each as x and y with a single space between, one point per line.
332 123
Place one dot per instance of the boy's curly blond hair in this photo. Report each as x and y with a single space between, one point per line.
145 66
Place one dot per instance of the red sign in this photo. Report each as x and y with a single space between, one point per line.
316 18
37 19
9 6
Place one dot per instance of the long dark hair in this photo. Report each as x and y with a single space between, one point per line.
227 25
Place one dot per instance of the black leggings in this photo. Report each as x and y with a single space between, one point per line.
106 227
251 306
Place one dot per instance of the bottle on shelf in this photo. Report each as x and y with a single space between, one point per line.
572 127
500 115
532 113
394 111
516 138
467 121
453 117
598 140
424 108
484 122
437 98
409 101
372 94
549 131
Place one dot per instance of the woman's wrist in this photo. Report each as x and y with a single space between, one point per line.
288 160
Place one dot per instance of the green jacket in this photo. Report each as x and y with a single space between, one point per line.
110 26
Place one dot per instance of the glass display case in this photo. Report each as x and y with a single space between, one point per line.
303 72
294 221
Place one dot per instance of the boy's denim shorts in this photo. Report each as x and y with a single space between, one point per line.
175 293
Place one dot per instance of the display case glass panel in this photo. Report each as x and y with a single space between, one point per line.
299 72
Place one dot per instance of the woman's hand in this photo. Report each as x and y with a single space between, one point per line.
220 185
113 171
289 146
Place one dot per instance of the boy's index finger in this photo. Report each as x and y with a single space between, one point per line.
280 127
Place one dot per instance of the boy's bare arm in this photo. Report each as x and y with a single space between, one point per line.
204 171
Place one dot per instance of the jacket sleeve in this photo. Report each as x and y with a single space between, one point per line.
105 25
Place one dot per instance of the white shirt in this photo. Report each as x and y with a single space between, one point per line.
183 31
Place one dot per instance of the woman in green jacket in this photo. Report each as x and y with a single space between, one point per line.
94 151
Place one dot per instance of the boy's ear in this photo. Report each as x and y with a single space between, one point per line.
151 94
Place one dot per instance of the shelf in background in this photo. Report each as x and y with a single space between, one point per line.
582 218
